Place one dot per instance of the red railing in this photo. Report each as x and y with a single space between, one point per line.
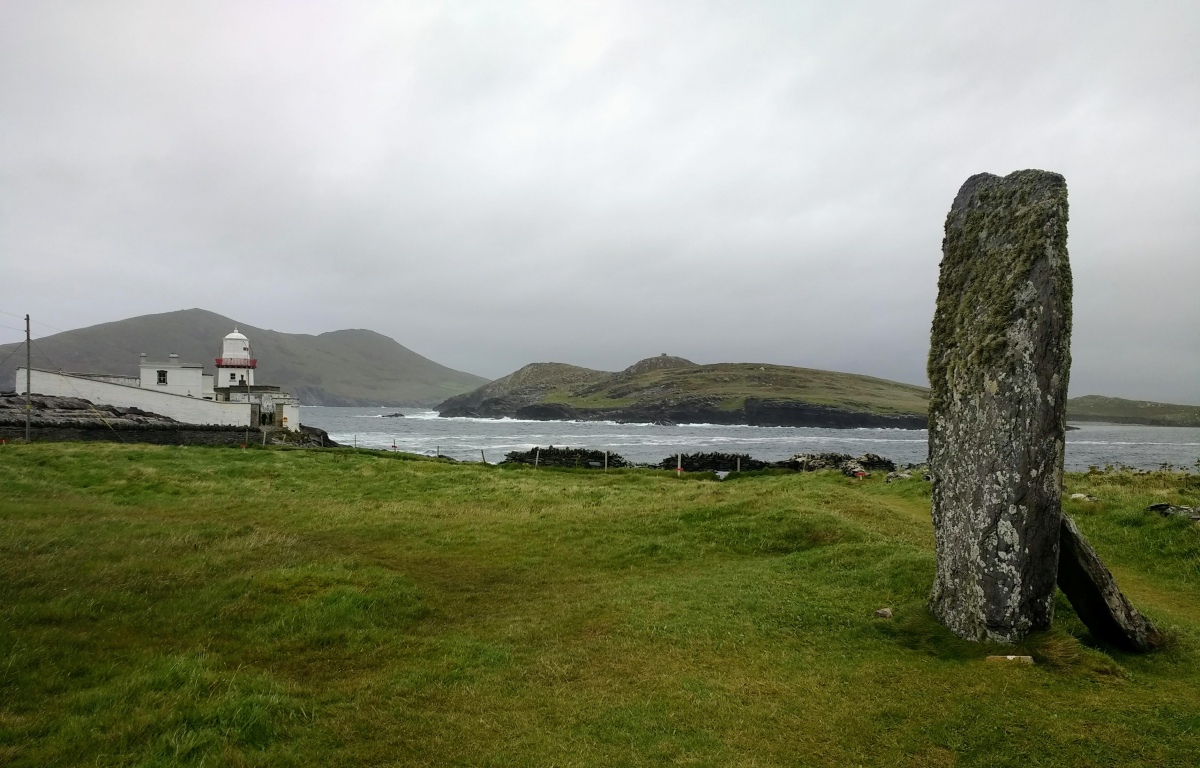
236 362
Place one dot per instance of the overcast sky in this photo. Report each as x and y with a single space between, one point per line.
495 184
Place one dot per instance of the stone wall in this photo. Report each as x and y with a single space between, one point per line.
191 410
180 435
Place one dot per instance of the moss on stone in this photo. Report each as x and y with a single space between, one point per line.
997 232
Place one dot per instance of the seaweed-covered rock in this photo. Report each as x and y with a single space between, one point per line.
998 364
581 458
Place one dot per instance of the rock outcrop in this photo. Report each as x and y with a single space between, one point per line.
58 419
1167 509
686 410
1095 597
998 365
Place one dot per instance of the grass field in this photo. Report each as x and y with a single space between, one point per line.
190 606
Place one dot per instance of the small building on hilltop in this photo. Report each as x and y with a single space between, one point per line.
182 391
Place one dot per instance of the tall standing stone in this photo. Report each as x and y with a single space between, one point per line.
999 360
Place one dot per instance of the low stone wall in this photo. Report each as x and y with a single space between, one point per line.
578 458
713 462
178 435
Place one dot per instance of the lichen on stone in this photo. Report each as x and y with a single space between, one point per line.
999 362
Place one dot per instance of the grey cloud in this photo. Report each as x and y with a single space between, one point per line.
493 184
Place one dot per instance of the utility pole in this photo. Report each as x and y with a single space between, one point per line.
28 393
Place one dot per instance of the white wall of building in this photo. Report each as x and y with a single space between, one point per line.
191 410
129 381
291 415
234 377
182 378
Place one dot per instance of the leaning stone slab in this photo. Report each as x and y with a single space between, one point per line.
1094 594
998 364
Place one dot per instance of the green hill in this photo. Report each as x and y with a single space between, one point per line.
349 367
1115 410
671 389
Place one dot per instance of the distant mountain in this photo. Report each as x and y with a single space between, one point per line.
350 367
673 390
1115 410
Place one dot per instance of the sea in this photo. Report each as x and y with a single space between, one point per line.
424 432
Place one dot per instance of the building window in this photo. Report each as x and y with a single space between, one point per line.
233 377
162 377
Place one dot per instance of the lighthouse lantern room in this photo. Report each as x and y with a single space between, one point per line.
235 366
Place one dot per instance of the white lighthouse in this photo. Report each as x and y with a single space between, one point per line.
183 391
235 366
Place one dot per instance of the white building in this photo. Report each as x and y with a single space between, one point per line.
176 378
182 391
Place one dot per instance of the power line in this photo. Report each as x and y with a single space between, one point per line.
80 394
35 322
10 354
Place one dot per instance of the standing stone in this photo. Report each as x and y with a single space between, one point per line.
998 364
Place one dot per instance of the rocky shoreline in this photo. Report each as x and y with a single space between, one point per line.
755 412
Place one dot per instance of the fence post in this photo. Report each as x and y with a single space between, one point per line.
679 465
606 461
537 457
739 469
482 457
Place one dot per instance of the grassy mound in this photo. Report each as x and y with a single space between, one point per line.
189 606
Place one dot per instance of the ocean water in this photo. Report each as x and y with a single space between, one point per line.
422 431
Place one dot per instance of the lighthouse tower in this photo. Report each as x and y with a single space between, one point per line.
235 366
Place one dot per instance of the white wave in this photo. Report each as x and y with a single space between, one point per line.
1118 442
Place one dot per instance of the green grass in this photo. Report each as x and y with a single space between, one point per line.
193 606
